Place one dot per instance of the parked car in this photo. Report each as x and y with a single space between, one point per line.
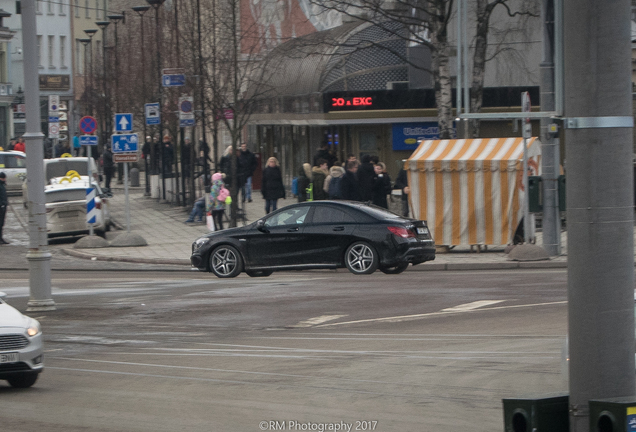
21 357
13 164
66 207
317 234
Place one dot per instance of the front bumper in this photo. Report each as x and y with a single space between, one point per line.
31 359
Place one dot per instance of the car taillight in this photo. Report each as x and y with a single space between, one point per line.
402 232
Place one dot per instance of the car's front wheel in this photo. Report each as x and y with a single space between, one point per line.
258 273
23 380
361 258
396 269
226 262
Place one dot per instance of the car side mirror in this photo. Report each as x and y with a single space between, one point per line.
260 225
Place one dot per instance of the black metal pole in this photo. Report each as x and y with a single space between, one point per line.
206 149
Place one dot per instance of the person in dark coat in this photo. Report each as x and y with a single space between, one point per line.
109 168
319 174
401 183
381 186
349 187
366 175
325 154
167 155
4 203
304 180
272 186
248 164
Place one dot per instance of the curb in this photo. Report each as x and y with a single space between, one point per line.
89 256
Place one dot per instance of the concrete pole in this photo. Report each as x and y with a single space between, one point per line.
550 143
38 255
599 153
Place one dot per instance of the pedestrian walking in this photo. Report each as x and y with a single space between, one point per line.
349 187
247 162
304 183
76 146
19 146
332 182
225 165
366 175
218 195
109 168
381 186
167 155
319 174
4 203
272 186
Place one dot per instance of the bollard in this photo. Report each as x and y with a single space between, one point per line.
134 177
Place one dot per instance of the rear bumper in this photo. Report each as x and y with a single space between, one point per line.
411 251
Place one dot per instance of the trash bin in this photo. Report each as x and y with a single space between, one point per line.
613 415
134 177
541 414
535 194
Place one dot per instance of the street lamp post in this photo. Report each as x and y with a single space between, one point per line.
115 18
90 33
156 4
85 42
141 10
106 125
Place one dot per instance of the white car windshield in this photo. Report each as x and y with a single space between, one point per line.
62 195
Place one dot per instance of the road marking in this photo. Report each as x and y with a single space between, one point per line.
471 306
318 320
424 315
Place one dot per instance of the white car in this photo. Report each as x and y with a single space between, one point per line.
13 164
66 207
21 358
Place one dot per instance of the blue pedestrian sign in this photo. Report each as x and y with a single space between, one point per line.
88 140
123 122
176 80
125 143
153 114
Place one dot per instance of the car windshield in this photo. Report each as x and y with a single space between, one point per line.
62 195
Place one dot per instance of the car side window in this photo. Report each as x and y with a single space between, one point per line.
331 215
293 216
2 161
14 161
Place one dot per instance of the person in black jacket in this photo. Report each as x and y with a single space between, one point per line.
247 162
109 168
272 186
304 180
349 187
366 174
381 186
4 202
325 154
401 183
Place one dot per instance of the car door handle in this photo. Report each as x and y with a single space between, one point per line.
292 229
339 228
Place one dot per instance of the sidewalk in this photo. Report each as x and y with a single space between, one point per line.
170 239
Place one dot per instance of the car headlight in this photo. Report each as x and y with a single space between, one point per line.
33 328
198 243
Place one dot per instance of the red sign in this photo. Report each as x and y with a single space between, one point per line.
125 157
88 124
352 101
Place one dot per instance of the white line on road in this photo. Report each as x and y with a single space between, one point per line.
471 306
318 320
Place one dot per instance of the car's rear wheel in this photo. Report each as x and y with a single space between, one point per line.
361 258
259 273
226 262
23 380
396 269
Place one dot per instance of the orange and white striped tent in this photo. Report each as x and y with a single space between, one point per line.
471 191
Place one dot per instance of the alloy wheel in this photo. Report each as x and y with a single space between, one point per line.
224 261
360 258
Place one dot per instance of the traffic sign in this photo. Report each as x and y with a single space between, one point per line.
124 143
153 114
176 80
88 140
54 119
123 122
54 103
126 157
186 111
54 130
88 124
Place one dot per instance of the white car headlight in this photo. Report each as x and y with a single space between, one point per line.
200 242
33 328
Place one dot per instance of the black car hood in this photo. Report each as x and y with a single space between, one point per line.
229 232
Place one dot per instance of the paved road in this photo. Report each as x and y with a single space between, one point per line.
179 351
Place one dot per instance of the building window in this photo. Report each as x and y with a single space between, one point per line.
51 45
39 50
63 51
61 3
38 6
87 8
77 9
98 11
49 7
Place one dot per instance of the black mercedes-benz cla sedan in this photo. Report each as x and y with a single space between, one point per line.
315 235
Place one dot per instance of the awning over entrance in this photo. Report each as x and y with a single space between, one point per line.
471 191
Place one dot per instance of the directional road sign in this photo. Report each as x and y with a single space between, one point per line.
176 80
153 114
88 124
123 122
88 140
125 143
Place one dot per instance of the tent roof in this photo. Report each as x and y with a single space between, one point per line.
479 149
